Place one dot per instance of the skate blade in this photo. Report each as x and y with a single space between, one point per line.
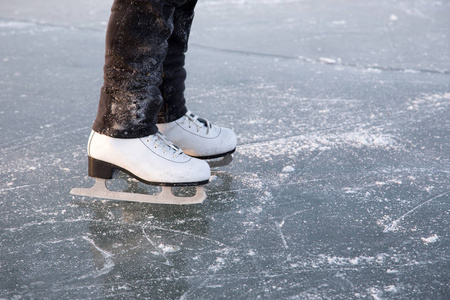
99 190
224 161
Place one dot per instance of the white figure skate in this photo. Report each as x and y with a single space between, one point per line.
152 160
200 139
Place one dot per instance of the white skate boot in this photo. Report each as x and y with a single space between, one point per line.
199 138
152 160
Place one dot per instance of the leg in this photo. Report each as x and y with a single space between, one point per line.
174 75
197 137
136 46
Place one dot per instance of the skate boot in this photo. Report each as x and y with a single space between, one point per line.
152 160
199 138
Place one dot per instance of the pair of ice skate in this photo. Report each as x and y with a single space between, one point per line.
175 156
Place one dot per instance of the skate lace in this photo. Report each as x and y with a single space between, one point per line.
167 146
196 121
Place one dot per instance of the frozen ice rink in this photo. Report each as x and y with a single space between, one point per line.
339 189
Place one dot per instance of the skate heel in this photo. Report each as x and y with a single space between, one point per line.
100 169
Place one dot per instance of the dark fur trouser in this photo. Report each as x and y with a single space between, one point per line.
144 66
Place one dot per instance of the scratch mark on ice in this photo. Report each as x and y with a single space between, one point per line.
280 231
193 235
190 291
292 215
17 187
394 225
167 262
279 226
109 262
323 60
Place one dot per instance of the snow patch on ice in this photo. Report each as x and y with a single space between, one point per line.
432 239
219 264
288 169
391 289
382 183
375 293
348 190
439 101
352 261
15 24
313 142
373 70
379 293
330 61
340 22
252 180
393 17
168 248
410 71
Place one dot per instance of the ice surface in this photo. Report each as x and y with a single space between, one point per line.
339 188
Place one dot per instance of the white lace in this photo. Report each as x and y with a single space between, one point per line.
167 146
200 123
